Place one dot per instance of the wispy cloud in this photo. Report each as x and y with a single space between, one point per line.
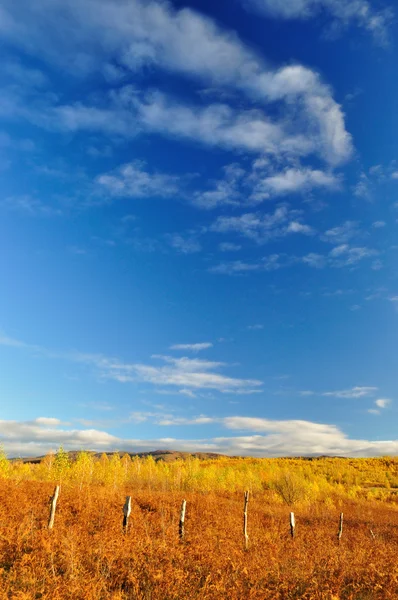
223 192
229 247
371 179
30 206
345 255
272 262
355 392
135 180
263 227
339 257
345 12
185 244
314 260
342 234
192 347
179 373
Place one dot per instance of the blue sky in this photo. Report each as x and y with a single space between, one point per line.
198 219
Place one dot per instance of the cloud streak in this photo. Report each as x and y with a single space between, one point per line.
192 347
188 374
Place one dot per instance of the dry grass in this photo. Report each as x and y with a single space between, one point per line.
88 557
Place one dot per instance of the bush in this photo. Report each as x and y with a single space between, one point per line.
291 487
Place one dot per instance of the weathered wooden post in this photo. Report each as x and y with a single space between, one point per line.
181 528
245 520
340 533
126 513
53 507
292 524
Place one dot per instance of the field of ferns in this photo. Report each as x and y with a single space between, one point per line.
87 554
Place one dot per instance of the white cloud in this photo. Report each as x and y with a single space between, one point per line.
339 257
266 438
220 125
44 434
382 402
314 260
358 12
293 180
379 224
223 192
273 262
345 255
192 347
99 33
237 187
184 373
189 373
364 187
263 227
184 244
342 233
355 392
236 267
136 181
47 421
173 421
255 327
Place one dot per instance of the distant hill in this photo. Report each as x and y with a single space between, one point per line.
158 455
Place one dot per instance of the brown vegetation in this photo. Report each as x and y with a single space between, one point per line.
87 555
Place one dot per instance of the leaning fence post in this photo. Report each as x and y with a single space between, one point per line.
340 533
292 524
126 512
245 520
53 507
181 528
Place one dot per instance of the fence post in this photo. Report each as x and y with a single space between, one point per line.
181 528
53 507
292 524
126 513
340 533
245 520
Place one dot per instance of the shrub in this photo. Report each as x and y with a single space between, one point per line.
291 487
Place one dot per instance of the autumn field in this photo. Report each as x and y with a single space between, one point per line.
87 554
